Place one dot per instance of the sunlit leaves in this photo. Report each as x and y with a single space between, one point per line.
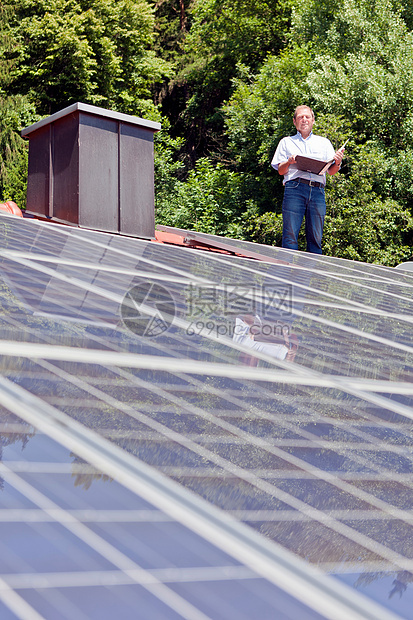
94 51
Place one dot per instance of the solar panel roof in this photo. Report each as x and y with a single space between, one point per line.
188 434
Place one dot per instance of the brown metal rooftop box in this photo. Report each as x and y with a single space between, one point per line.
93 168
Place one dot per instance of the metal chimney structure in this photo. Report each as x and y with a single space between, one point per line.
93 168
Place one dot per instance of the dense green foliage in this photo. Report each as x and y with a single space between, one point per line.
224 78
97 51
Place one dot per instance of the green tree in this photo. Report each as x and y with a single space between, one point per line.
363 222
238 31
210 200
221 34
172 22
94 51
16 112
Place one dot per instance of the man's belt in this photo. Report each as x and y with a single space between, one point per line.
310 183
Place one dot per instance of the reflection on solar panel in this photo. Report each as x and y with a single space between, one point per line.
195 435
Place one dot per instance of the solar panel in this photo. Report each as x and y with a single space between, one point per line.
192 434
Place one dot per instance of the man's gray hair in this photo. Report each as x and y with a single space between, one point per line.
303 106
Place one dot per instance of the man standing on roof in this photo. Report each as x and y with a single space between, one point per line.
304 191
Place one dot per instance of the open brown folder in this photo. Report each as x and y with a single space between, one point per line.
312 165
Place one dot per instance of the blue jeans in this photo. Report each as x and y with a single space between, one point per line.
301 201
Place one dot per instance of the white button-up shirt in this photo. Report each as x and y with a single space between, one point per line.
314 146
